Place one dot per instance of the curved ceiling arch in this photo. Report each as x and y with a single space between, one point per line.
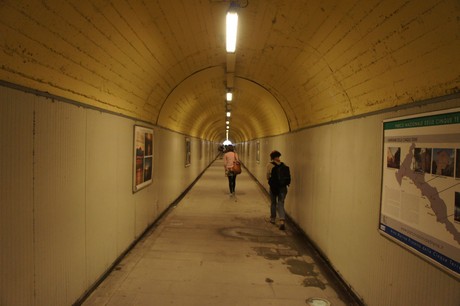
254 103
214 131
200 98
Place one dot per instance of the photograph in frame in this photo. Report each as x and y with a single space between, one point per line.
188 156
143 157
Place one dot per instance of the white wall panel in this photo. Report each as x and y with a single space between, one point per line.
16 194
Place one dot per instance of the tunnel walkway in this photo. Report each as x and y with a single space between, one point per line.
212 249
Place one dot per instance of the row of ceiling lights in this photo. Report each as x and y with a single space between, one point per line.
231 33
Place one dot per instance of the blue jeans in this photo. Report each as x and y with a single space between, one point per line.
277 203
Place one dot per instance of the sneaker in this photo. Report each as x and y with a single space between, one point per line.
272 221
282 227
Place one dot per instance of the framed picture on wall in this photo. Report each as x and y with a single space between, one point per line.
143 157
258 152
187 152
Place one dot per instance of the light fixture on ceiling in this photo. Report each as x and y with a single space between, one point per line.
227 122
228 114
229 96
232 27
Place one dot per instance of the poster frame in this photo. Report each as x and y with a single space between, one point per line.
188 154
421 239
142 157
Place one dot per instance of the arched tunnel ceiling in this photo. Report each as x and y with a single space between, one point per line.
297 64
193 107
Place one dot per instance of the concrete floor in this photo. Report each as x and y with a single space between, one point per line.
212 249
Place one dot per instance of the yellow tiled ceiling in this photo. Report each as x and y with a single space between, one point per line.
297 64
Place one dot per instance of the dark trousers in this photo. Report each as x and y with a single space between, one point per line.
231 181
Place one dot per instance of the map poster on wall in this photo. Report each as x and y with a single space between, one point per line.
143 157
420 205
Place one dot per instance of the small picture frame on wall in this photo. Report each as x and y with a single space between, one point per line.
188 155
143 157
258 152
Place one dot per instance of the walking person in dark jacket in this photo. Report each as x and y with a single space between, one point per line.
279 178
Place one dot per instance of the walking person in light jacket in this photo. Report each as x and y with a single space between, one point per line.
229 157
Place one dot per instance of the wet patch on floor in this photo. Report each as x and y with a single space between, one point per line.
268 253
289 248
301 267
313 282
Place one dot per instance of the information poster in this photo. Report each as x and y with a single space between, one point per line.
420 205
143 157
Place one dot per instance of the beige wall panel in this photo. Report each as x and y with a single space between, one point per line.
316 150
172 167
146 208
335 199
16 194
355 198
101 192
126 208
59 197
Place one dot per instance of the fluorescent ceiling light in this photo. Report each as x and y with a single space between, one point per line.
229 96
228 114
232 27
227 122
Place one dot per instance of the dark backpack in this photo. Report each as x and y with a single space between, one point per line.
280 176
